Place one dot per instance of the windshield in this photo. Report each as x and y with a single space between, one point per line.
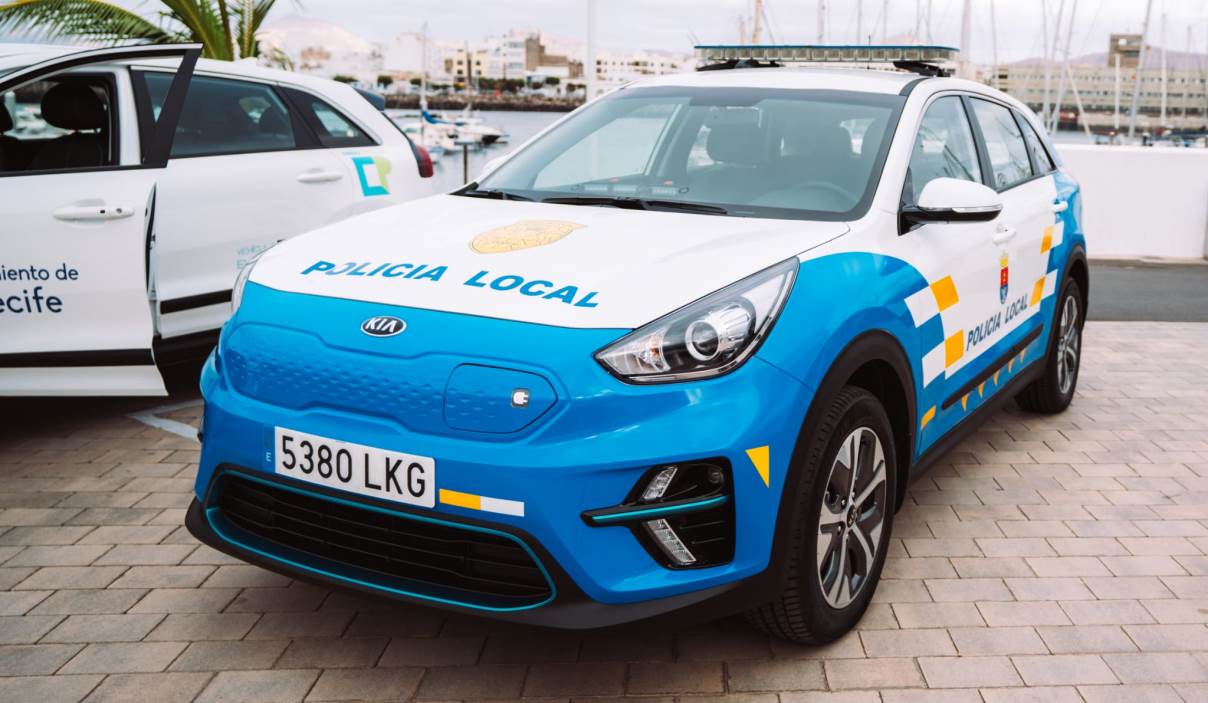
808 154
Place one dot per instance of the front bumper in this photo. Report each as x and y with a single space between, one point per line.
569 608
586 453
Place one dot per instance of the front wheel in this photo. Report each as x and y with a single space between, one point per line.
841 522
1052 392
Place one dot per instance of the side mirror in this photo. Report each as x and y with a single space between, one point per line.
490 166
951 200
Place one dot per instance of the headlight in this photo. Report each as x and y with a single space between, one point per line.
706 338
241 279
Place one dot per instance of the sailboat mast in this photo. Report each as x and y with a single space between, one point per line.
1048 76
589 68
1186 89
1136 96
756 28
1055 114
821 21
885 21
1116 122
859 22
1162 113
1066 72
993 45
423 79
963 66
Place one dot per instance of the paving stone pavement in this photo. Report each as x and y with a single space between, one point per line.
1045 559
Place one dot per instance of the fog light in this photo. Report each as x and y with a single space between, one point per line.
658 485
682 514
669 542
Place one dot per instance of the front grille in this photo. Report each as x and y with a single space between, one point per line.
387 550
297 370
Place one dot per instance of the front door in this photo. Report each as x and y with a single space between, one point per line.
74 311
960 263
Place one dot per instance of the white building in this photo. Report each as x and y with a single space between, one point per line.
328 50
406 54
614 68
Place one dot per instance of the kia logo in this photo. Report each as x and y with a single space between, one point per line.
383 326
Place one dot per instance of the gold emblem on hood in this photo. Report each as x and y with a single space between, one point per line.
524 234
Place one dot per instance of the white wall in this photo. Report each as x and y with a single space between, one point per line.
1142 201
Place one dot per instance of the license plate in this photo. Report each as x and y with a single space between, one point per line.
369 471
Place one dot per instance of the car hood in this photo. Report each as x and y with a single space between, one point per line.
565 265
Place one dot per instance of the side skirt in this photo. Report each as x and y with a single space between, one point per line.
975 419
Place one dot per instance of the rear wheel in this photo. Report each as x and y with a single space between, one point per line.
1052 392
842 520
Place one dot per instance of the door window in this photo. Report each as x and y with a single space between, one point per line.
60 123
944 148
222 116
1042 162
332 128
1004 144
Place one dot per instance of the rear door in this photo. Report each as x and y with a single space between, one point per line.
248 169
1026 218
78 199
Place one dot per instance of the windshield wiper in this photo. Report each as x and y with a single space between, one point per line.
637 203
495 194
701 208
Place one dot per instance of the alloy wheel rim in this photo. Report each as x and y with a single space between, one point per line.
1068 345
852 517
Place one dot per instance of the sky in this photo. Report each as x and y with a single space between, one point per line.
675 24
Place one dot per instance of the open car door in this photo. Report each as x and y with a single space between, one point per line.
76 206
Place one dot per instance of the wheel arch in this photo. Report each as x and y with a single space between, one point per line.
875 361
1078 269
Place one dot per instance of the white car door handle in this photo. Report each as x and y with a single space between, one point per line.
1061 206
92 213
319 176
1003 234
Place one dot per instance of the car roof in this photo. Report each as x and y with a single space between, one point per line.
17 55
246 68
857 79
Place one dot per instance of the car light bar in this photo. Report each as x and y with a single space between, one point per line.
822 53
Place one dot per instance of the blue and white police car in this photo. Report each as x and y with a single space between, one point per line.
680 352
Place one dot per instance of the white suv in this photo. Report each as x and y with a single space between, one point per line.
137 181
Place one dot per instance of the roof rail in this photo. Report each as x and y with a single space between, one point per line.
923 69
738 63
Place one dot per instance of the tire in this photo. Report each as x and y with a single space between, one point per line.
805 612
1052 392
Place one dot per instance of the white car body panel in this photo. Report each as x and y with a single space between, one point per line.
211 214
626 267
96 306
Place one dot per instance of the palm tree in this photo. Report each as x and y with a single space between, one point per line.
224 32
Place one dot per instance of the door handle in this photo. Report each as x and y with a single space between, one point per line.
92 213
319 176
1003 234
1060 206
